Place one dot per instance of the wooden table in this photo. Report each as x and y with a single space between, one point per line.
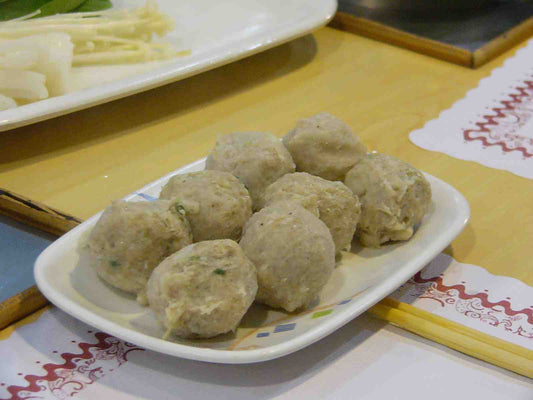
80 162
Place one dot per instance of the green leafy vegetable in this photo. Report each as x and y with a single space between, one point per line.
179 209
219 271
19 8
59 7
11 9
94 5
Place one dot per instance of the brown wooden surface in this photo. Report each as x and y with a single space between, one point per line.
79 163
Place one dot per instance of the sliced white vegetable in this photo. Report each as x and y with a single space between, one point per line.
103 34
55 61
25 85
17 54
37 55
49 54
6 103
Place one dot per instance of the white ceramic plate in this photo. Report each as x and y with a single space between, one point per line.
216 32
363 277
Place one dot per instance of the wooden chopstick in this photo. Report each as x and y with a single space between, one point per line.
451 334
35 214
458 337
21 305
473 333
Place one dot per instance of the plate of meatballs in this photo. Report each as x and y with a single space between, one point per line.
258 250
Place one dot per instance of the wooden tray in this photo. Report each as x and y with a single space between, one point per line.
487 32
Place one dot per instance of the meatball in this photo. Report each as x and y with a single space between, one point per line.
394 198
217 205
256 158
337 206
293 252
203 290
323 145
131 239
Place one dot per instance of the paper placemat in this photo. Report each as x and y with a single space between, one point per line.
493 124
58 357
467 294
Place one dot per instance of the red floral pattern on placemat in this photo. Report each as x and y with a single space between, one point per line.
476 306
493 124
64 380
501 126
